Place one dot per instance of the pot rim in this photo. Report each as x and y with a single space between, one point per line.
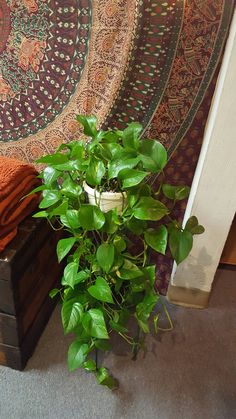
104 195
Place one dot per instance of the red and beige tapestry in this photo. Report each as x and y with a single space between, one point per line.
153 61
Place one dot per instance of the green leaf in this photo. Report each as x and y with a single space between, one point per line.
94 324
148 208
144 309
64 246
95 172
191 223
90 217
77 354
68 166
111 149
77 149
129 270
153 155
181 243
35 190
70 274
71 189
52 159
49 175
101 290
105 379
121 163
89 365
193 227
89 123
54 292
175 192
150 274
72 217
157 238
103 345
40 214
105 256
198 230
81 276
49 198
112 221
97 139
71 314
138 285
60 210
112 136
131 177
136 226
119 243
131 135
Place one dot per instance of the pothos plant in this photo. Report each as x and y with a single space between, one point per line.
106 281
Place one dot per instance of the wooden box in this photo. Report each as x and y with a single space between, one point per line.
28 270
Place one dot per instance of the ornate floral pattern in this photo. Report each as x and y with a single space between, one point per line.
147 61
41 63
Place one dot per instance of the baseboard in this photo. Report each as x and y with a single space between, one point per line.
188 297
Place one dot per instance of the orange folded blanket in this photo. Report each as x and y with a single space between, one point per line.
17 179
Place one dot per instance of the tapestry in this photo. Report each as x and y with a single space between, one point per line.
152 61
122 60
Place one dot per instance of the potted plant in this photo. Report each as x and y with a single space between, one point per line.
97 191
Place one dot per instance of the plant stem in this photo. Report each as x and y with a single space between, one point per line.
168 318
127 339
136 347
96 358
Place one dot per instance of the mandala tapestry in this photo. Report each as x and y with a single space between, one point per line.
152 61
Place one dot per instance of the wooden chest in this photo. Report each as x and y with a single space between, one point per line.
28 270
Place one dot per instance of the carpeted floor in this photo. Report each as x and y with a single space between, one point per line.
189 373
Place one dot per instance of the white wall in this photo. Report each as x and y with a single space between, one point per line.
213 193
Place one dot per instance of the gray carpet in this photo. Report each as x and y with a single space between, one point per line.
186 374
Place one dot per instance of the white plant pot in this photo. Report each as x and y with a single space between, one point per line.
106 200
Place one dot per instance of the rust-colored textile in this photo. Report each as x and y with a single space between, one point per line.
16 180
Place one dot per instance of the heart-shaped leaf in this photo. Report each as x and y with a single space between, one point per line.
131 177
49 175
71 314
95 172
77 354
121 163
94 324
103 345
89 365
70 274
131 135
193 227
181 243
105 256
72 217
153 155
53 159
105 379
89 123
64 246
90 217
176 193
148 208
49 198
157 238
129 270
101 290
